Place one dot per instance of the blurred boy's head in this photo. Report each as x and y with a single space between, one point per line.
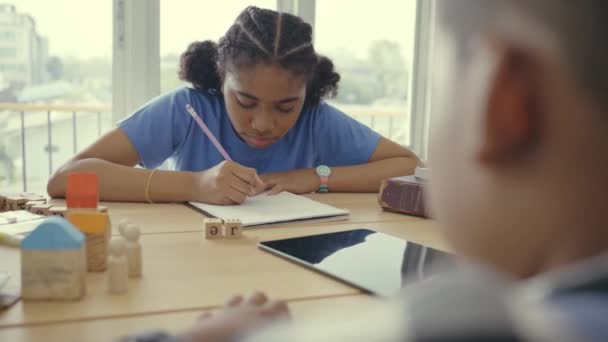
519 151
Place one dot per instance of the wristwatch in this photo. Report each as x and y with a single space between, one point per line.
323 171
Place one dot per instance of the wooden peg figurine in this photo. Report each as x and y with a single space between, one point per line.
122 226
131 236
213 228
118 267
233 229
53 262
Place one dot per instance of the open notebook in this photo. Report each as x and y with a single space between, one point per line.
264 209
19 223
13 217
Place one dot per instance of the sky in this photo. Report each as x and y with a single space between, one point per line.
352 24
83 28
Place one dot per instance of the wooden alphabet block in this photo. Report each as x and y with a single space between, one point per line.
32 196
213 228
16 203
2 202
53 262
82 190
30 204
96 228
41 209
233 229
59 211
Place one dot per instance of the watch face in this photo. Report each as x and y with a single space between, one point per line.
323 171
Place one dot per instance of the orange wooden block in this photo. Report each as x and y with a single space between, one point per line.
90 221
82 190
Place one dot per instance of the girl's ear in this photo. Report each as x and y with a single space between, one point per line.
511 114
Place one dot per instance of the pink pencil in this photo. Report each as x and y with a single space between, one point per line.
207 132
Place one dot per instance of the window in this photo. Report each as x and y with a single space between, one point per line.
56 88
372 48
8 36
206 21
372 51
8 52
55 85
12 67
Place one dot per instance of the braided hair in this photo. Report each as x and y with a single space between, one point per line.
261 36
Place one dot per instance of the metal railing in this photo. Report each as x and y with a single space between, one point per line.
26 109
373 116
395 119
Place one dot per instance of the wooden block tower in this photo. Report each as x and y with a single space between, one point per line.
96 228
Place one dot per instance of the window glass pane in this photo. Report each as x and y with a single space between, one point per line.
206 20
55 67
372 48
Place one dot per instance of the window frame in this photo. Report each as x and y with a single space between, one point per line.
135 56
420 106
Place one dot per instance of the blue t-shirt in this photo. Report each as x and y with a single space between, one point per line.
322 135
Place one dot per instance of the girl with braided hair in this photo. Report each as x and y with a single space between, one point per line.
260 91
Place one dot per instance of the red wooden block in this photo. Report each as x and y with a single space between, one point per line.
82 190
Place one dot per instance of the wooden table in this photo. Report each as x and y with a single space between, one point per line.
184 274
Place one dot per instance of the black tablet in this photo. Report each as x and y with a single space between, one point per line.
374 262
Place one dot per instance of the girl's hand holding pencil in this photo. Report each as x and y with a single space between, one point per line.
227 183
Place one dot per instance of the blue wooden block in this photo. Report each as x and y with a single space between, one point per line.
54 233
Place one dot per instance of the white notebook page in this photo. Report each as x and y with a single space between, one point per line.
265 209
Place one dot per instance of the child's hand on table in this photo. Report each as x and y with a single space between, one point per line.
238 317
302 181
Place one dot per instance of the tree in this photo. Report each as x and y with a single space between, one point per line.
356 86
78 71
389 69
54 66
382 75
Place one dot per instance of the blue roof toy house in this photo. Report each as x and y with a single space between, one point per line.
53 265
